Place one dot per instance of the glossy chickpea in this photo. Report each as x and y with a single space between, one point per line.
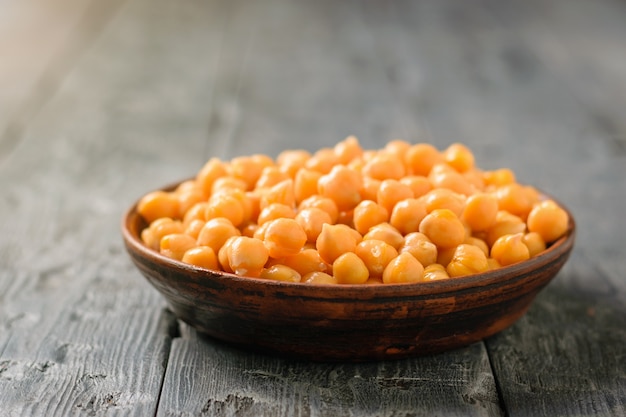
390 192
282 193
384 166
376 254
421 157
216 232
459 157
284 237
280 273
480 211
342 185
275 211
348 268
419 185
443 198
305 184
225 205
306 261
213 169
467 259
368 214
335 240
435 272
317 278
549 220
323 203
348 150
270 176
292 160
510 249
247 256
175 245
443 228
418 245
403 269
534 242
201 256
312 219
158 204
386 233
323 160
407 215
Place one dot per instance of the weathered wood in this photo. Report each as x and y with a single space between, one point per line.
228 381
566 357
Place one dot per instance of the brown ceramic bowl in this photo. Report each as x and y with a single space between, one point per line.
346 322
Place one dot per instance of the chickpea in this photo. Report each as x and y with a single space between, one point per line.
284 237
342 185
247 256
443 228
376 254
510 249
348 268
158 204
368 214
403 269
548 220
335 240
202 256
467 260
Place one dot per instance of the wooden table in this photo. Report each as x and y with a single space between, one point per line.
101 101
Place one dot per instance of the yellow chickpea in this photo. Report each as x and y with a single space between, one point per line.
175 245
348 268
450 179
347 150
499 177
335 240
292 160
384 166
158 204
280 273
443 198
421 157
275 211
202 256
323 203
312 219
369 189
160 228
407 215
305 184
534 242
480 211
418 245
403 269
319 278
390 192
216 232
209 173
386 233
270 176
459 157
376 254
225 205
418 184
506 224
342 185
195 212
323 160
549 220
306 261
282 193
435 272
284 237
510 249
443 228
247 256
467 260
368 214
249 168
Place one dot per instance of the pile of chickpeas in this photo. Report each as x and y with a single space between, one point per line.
404 213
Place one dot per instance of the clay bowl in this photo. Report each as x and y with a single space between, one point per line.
347 322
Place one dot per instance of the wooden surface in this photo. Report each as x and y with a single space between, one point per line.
102 101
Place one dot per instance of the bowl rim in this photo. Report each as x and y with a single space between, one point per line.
560 247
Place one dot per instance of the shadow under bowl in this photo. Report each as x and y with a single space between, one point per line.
349 323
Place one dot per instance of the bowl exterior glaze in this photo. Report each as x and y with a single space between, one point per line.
347 322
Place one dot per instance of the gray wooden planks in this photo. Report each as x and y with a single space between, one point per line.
209 378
